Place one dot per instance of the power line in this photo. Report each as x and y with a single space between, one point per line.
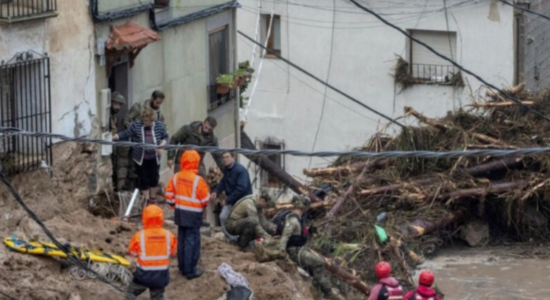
355 153
321 81
7 296
507 95
525 9
70 255
273 62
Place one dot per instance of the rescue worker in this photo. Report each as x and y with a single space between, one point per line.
199 134
424 291
188 194
388 287
134 114
236 185
152 246
117 101
292 243
248 221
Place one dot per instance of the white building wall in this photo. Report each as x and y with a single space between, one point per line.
68 39
288 104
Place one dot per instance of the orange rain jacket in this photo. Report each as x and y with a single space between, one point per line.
187 192
153 246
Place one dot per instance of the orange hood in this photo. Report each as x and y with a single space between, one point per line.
152 217
190 160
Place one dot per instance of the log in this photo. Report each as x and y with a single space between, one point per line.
501 104
484 169
419 228
480 191
346 170
426 120
347 194
350 278
490 146
513 90
273 169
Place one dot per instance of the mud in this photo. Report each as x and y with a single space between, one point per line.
62 202
504 273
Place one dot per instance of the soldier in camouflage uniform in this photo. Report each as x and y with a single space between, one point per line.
248 221
135 111
199 134
117 101
293 241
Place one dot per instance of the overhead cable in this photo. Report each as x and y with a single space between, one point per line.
504 93
321 81
361 154
525 9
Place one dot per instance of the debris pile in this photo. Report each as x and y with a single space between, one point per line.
404 209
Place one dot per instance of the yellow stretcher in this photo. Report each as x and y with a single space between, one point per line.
50 249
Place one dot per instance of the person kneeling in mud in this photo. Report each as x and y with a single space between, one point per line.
248 221
292 243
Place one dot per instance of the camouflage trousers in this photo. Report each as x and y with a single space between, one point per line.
314 265
248 229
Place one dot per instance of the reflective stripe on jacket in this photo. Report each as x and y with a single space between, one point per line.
187 192
152 246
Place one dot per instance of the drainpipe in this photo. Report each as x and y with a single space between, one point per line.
112 15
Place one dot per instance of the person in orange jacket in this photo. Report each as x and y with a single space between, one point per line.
188 194
152 246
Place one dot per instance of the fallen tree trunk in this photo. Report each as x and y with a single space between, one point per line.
348 193
426 120
480 191
273 169
316 205
476 171
419 228
346 170
501 104
350 278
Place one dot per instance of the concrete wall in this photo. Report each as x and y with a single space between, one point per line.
68 39
177 65
358 57
537 43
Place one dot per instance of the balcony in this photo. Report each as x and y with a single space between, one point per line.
436 74
13 11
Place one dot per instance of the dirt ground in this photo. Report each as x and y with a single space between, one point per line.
62 201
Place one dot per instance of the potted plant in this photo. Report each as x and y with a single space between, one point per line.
224 83
240 77
245 65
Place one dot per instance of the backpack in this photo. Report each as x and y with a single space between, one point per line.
295 240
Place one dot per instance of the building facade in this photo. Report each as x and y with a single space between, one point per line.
358 54
46 77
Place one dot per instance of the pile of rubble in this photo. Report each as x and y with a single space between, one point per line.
404 209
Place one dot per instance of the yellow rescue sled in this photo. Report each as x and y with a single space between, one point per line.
50 249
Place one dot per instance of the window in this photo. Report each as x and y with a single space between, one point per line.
218 47
274 41
12 11
425 65
267 179
25 104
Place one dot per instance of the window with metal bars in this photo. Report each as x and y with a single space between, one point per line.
12 11
25 103
267 179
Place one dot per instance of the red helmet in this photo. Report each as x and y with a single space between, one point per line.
383 269
426 278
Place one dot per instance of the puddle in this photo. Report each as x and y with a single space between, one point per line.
474 274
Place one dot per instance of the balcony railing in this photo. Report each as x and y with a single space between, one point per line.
437 74
216 100
12 11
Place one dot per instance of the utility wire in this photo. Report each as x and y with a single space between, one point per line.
321 81
267 152
504 93
525 9
7 296
70 256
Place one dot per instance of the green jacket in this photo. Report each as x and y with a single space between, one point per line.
248 207
292 227
134 114
190 135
